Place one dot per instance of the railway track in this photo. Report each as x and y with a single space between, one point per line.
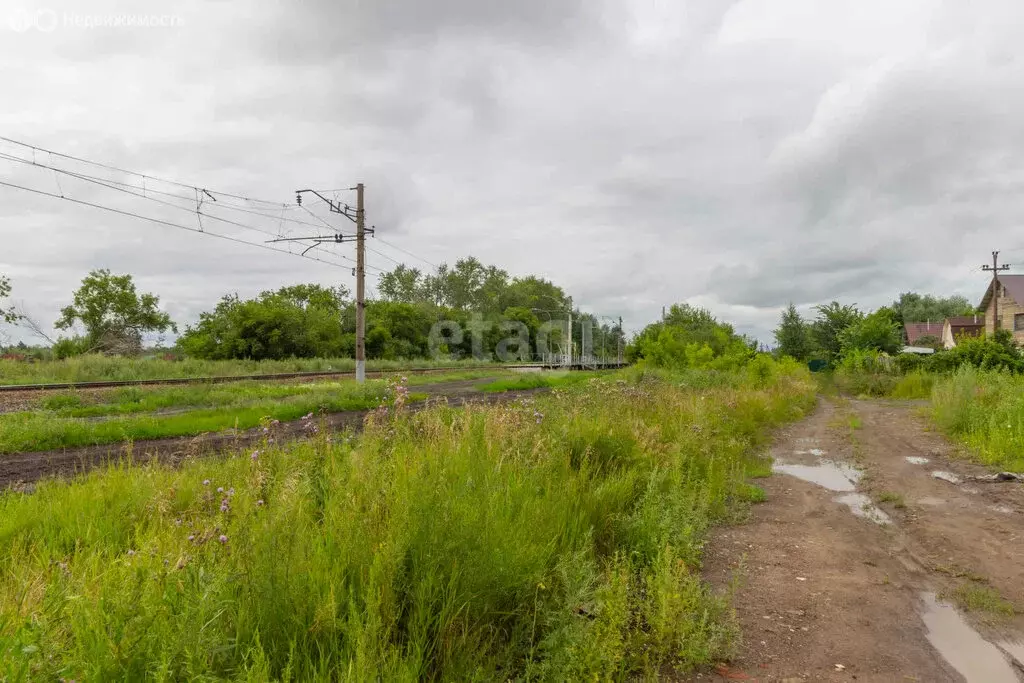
6 388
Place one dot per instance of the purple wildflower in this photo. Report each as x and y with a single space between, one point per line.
130 552
259 502
191 537
220 489
223 538
231 491
206 482
255 455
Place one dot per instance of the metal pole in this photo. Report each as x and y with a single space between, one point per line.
568 358
360 287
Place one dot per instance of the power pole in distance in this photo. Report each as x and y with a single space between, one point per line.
620 335
357 216
360 286
995 268
568 357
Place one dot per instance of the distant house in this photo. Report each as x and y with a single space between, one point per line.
1011 306
912 332
961 326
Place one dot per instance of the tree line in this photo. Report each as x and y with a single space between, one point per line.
842 336
109 315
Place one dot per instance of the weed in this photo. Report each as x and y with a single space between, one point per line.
974 597
891 497
960 573
984 410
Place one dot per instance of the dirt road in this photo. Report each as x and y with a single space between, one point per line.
850 570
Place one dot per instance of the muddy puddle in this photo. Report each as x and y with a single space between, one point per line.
834 476
862 506
977 660
946 476
917 460
841 478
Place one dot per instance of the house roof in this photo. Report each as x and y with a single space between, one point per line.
1014 285
966 322
926 329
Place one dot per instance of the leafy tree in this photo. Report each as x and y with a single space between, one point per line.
114 314
301 321
403 284
826 329
690 337
912 307
7 315
878 331
793 336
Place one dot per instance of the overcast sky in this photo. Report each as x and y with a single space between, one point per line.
736 155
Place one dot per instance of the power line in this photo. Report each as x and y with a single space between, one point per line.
384 255
170 224
141 175
408 253
187 209
144 192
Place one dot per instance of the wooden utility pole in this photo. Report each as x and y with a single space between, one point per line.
360 286
995 268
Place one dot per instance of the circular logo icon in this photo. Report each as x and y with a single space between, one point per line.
46 20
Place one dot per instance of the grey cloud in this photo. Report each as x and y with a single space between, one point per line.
636 153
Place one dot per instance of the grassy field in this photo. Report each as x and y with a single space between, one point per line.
85 418
554 538
97 368
985 411
539 380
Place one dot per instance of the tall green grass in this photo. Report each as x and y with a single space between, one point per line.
557 538
75 418
143 399
41 430
96 368
985 410
912 385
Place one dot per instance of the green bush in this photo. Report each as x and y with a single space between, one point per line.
69 347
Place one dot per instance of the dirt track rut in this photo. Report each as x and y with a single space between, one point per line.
838 586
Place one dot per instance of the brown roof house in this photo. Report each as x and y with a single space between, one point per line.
1011 306
961 326
914 331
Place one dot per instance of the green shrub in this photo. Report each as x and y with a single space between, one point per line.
69 347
